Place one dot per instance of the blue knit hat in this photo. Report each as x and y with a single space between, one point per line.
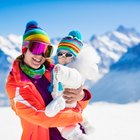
72 42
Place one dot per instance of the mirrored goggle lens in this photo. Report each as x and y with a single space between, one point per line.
48 51
38 48
60 54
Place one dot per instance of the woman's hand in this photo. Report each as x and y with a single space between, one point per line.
73 95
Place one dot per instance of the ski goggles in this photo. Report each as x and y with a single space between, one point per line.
39 48
68 54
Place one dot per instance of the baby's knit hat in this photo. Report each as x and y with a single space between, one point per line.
72 42
34 33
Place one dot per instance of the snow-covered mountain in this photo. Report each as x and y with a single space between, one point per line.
9 49
112 45
108 47
121 84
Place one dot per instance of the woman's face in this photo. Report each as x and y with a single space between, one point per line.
33 61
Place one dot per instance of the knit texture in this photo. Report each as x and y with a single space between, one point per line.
36 74
34 33
72 43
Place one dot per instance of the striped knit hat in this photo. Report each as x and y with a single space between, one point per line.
34 33
72 42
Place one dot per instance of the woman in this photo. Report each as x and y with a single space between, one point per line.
29 89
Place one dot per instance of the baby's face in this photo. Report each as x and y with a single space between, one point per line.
64 57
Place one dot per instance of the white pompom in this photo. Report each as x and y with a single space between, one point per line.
86 63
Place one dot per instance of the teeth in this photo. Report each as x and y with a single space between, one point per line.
37 60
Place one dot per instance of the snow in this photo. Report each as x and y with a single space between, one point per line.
10 45
111 54
123 37
15 38
110 122
9 125
114 121
134 39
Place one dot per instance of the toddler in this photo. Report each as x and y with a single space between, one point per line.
75 65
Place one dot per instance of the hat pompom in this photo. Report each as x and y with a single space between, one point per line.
75 34
31 24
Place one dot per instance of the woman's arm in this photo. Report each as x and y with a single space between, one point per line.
80 95
27 106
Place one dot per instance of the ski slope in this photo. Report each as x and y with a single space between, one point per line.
110 121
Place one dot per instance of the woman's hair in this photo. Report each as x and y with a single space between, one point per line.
48 63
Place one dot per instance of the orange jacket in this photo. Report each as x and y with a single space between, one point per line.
28 104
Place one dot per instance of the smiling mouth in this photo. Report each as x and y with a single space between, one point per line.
37 60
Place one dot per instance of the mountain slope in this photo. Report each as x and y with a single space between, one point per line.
121 84
108 47
9 50
112 45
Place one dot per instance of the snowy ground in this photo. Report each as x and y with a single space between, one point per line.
110 121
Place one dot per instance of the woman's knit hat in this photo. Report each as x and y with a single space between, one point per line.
72 42
34 33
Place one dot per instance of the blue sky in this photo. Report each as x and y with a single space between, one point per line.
58 17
